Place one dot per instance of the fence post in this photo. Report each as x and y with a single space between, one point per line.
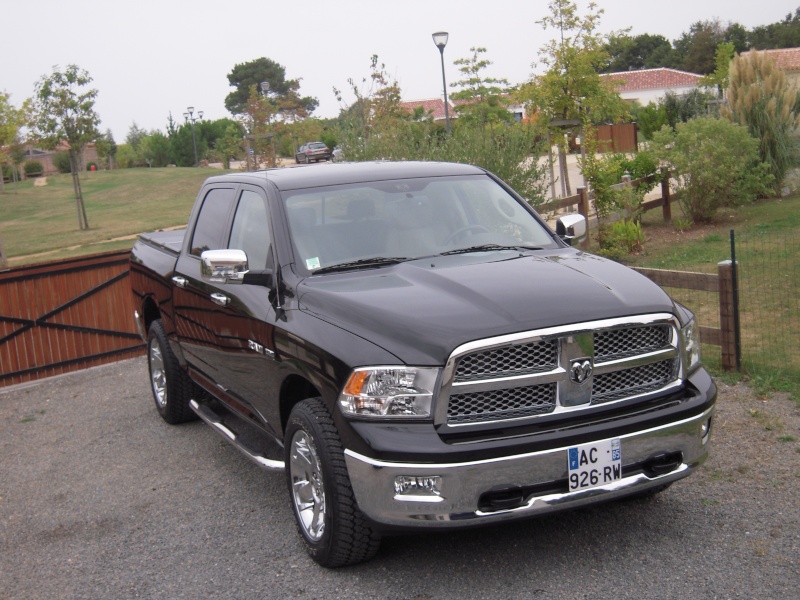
583 208
666 208
727 315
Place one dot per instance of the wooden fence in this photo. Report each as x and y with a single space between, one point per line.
67 315
582 202
722 283
620 137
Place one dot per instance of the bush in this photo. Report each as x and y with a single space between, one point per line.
9 173
33 168
61 162
607 170
715 162
621 237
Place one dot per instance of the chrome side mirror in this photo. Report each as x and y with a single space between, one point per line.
571 229
223 266
230 266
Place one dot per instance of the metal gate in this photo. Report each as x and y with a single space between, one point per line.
67 315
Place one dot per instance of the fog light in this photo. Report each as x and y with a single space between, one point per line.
418 489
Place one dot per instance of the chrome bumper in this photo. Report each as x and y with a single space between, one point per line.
462 484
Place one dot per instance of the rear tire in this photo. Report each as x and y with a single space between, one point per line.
334 530
172 389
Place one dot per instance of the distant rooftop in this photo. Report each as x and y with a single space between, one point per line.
432 106
652 79
787 59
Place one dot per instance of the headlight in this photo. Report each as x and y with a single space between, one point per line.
405 392
690 343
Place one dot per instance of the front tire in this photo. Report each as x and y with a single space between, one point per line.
172 389
334 530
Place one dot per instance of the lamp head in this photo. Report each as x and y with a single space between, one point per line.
440 39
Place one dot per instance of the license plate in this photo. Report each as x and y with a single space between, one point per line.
595 464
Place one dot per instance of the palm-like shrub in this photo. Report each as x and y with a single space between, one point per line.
760 98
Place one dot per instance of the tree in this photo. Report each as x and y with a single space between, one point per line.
229 145
483 100
63 111
680 108
716 163
571 88
722 58
371 120
11 121
135 136
244 76
106 148
257 122
760 98
154 149
375 126
782 34
643 51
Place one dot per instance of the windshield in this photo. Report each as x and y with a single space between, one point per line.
406 219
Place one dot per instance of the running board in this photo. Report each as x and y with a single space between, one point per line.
213 419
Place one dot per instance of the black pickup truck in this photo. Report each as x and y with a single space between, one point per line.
416 349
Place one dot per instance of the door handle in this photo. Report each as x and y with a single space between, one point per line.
220 299
179 281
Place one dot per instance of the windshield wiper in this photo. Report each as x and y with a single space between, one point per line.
364 263
488 248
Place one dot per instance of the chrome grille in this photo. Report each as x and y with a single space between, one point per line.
630 382
527 375
618 343
502 404
508 361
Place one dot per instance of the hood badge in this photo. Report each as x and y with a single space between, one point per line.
580 369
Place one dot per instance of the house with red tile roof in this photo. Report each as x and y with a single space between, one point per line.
435 108
787 59
651 85
432 106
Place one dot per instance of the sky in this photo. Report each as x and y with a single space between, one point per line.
152 58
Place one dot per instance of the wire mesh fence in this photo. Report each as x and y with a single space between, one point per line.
769 302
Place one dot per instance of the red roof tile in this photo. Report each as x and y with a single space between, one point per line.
651 79
434 106
787 59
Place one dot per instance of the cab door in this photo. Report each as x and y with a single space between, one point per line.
232 324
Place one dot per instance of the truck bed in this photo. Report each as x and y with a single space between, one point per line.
169 241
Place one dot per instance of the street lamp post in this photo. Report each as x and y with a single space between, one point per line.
190 118
440 39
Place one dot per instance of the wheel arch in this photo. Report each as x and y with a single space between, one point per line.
295 389
150 312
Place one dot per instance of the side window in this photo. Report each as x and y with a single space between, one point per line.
210 228
250 231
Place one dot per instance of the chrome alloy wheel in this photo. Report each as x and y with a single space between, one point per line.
308 494
158 377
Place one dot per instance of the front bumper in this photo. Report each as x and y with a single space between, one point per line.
538 478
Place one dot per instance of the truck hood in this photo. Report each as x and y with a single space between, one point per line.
421 310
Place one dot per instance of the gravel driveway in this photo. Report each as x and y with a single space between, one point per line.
99 498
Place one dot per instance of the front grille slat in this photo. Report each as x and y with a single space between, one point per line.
498 363
508 361
502 404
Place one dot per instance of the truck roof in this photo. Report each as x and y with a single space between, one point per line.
340 173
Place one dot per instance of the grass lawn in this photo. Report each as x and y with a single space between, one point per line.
119 203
